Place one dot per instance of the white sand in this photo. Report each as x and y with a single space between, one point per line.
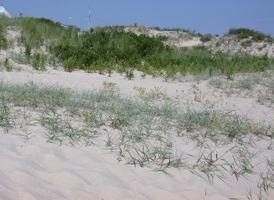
31 168
34 169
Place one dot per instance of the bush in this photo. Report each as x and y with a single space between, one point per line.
105 49
39 61
27 51
3 40
123 46
7 65
69 64
245 33
206 38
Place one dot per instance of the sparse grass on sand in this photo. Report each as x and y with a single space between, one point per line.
140 131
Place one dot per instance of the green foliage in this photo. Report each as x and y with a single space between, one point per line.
245 33
154 93
206 38
39 61
36 30
109 86
4 112
130 74
27 51
110 68
3 40
7 65
91 47
155 28
189 31
69 64
52 61
105 49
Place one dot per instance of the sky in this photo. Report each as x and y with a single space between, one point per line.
204 16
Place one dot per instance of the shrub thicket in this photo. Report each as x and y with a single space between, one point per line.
115 45
108 48
98 50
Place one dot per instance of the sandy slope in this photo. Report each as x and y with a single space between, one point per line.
31 168
34 169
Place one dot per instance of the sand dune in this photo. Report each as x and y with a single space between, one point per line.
31 168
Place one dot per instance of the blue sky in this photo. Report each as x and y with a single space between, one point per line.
204 16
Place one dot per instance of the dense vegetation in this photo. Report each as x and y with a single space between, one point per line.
3 40
245 33
112 49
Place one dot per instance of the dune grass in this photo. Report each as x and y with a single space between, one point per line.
140 130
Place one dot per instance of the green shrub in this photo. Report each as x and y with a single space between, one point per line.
4 112
52 61
27 52
245 33
130 74
206 38
39 61
7 65
156 28
3 40
123 46
110 48
69 64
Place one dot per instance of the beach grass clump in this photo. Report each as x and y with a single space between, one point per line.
39 61
109 86
267 178
5 114
69 64
155 93
245 83
35 31
3 40
212 164
8 66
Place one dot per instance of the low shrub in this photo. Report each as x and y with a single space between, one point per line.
69 64
39 61
206 38
245 33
